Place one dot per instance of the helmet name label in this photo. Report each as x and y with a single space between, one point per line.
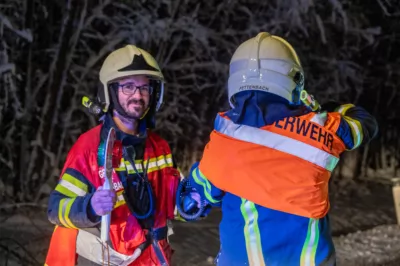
253 87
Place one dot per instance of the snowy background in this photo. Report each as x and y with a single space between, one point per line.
50 54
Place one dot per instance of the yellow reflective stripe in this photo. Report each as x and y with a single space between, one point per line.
64 209
60 216
127 165
138 163
160 166
178 217
343 108
65 191
161 157
71 186
68 204
252 233
133 171
201 180
76 182
155 164
309 250
120 199
356 131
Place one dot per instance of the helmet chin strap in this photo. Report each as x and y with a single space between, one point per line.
145 113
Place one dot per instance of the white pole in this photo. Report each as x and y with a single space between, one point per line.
396 197
108 170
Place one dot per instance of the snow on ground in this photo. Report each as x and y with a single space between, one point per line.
376 246
362 215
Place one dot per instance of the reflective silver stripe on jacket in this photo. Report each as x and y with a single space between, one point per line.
276 141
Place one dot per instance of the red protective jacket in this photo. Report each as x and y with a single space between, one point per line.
69 204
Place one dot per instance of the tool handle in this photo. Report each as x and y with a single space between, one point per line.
106 219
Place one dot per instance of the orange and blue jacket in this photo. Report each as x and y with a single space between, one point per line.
268 167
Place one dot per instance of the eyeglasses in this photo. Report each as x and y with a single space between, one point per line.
130 89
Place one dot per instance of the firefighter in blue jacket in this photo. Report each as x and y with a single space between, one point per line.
269 160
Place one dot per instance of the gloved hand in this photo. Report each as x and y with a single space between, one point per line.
191 200
103 201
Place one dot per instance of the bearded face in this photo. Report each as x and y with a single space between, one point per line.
134 95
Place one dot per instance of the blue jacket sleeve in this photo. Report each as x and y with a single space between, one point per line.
357 127
207 190
69 203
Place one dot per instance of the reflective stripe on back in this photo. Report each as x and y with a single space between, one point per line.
276 141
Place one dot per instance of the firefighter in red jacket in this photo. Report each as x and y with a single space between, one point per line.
143 199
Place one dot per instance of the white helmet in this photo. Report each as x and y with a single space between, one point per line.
127 61
266 63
